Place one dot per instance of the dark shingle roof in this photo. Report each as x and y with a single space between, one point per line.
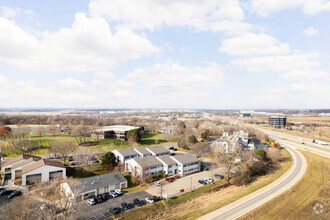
145 162
186 158
127 152
167 159
95 182
158 149
16 159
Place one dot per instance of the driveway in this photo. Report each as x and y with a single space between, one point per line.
100 211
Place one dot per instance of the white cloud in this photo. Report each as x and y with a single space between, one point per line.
311 31
250 44
88 46
8 12
171 81
297 66
267 7
295 95
297 60
303 75
214 15
103 75
70 83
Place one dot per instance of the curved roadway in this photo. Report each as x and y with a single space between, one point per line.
252 201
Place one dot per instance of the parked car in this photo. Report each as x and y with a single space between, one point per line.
169 179
53 156
2 189
138 202
198 156
113 194
149 200
175 149
6 192
104 196
119 192
202 182
91 201
98 200
157 183
218 176
125 206
14 194
233 171
171 148
155 198
172 154
114 210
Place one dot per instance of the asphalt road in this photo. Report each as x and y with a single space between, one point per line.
293 141
252 201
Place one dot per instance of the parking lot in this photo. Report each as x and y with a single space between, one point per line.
184 184
100 211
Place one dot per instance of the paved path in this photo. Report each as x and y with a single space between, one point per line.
252 201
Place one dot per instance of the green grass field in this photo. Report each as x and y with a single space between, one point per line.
105 144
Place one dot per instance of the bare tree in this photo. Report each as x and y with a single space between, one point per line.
64 148
40 130
274 154
81 134
53 129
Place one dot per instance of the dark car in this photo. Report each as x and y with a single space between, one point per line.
114 210
104 196
218 176
171 148
6 192
202 182
175 149
14 194
2 189
125 206
138 202
172 154
98 200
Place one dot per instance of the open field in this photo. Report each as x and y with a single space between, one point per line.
313 189
208 198
105 144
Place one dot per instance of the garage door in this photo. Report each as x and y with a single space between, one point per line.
30 179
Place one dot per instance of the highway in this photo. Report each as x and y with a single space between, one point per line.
284 183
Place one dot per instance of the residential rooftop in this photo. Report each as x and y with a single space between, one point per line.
127 151
142 150
158 149
146 162
96 182
167 159
185 158
16 159
40 163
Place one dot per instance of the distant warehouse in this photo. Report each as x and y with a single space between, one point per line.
115 131
277 121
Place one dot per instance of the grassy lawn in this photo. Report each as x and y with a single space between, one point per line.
135 189
313 189
208 198
92 170
105 144
149 139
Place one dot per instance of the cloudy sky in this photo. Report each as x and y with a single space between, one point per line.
211 54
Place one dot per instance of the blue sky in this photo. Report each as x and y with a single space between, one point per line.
214 54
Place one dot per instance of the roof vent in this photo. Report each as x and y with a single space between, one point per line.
92 182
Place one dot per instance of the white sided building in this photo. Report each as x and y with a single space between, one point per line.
187 164
143 166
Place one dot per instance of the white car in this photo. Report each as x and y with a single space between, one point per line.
113 194
233 171
91 201
44 206
157 183
118 191
149 200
